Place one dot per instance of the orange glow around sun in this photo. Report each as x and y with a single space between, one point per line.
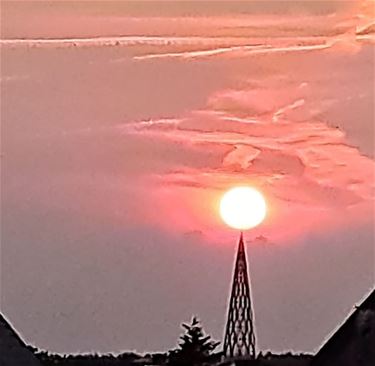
243 208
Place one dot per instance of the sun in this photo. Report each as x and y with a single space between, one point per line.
243 208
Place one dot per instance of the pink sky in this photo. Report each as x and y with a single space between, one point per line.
123 125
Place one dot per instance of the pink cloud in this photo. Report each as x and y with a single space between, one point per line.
268 127
303 165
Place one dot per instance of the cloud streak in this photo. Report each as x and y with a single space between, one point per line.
240 50
302 165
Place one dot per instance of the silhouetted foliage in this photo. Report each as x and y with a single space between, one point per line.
124 359
195 348
162 359
285 359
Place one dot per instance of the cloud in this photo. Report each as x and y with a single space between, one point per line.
186 36
238 50
127 41
270 136
282 120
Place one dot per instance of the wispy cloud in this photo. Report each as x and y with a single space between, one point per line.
303 164
121 41
269 125
239 50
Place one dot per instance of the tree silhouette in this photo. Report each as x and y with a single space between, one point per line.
195 347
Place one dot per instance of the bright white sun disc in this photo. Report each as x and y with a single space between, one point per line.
243 208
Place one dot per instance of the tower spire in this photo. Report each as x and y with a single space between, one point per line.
239 339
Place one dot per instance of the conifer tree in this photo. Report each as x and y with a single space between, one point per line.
195 347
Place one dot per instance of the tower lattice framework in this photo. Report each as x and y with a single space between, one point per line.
239 337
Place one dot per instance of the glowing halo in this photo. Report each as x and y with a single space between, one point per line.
243 208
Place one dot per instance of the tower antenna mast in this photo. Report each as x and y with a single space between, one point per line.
239 339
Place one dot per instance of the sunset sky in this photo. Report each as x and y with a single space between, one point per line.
122 125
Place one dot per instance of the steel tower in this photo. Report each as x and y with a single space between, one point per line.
239 339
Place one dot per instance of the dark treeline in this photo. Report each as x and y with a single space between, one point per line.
124 359
195 348
161 359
